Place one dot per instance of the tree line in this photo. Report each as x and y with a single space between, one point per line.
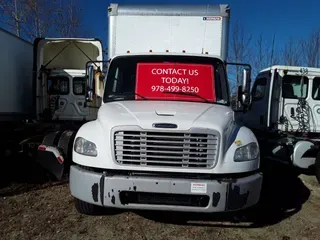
261 52
29 19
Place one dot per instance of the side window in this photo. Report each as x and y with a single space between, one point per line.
259 89
79 84
291 87
316 88
117 81
58 85
122 79
221 83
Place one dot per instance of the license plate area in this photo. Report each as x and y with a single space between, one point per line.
189 200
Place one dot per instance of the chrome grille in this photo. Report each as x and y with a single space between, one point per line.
187 150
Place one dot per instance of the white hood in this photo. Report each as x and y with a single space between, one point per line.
184 114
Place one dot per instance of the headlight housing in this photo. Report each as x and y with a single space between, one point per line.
247 153
85 147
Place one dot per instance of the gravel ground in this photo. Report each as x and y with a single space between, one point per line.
289 209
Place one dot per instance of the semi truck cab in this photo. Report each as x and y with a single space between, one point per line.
284 115
59 67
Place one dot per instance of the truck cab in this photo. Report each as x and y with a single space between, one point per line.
284 114
165 137
60 70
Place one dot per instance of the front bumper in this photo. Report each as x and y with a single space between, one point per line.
158 193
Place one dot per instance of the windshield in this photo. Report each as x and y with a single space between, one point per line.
58 85
179 78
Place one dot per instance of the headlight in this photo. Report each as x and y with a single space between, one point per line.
85 147
247 153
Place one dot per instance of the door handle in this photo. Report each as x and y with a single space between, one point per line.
292 112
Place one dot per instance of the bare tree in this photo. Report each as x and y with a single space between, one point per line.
41 18
13 14
292 53
260 59
68 19
311 49
240 48
265 54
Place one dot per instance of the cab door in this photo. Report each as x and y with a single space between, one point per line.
293 90
258 110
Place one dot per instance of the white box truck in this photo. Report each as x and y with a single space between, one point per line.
165 137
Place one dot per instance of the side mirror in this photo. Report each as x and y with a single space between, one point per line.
246 81
245 78
239 94
90 81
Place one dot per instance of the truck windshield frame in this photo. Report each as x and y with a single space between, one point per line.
129 64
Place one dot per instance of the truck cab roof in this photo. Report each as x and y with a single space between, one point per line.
291 68
170 54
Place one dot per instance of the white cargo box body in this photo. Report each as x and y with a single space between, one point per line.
197 29
16 79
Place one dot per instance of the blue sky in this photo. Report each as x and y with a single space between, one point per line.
284 18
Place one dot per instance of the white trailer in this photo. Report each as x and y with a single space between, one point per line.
165 137
16 93
16 81
284 115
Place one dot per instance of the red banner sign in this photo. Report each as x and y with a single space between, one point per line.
162 80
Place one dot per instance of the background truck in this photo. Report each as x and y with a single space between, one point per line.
165 137
16 91
43 98
60 81
284 115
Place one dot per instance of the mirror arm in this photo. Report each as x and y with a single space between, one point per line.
244 89
239 64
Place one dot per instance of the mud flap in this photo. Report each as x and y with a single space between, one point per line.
55 152
51 159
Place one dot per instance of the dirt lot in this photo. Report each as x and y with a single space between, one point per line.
289 209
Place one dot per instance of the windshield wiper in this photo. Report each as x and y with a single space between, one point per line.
190 94
124 95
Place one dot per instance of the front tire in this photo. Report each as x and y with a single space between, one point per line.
87 208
